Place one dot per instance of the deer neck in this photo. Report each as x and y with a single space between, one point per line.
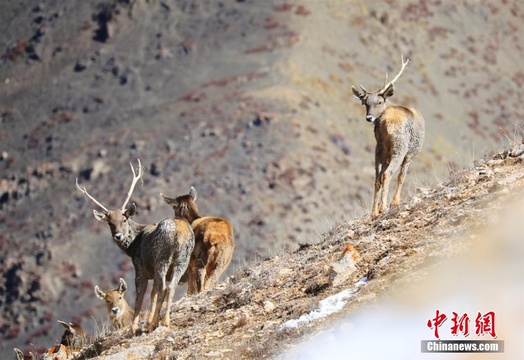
192 214
191 219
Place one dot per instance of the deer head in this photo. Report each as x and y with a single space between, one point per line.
114 299
73 336
377 101
184 206
118 220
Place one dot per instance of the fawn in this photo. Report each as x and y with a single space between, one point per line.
118 309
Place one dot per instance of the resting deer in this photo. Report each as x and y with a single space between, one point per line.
118 309
399 132
159 252
214 243
72 341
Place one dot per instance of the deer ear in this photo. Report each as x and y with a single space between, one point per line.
390 90
66 325
168 200
123 286
99 293
357 93
100 216
193 193
130 211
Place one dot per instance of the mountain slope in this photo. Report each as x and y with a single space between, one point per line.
261 311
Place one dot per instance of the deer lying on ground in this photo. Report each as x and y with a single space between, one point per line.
118 309
214 243
74 337
399 132
72 341
159 252
20 355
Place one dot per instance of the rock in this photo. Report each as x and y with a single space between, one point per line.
517 151
99 168
80 66
269 306
344 267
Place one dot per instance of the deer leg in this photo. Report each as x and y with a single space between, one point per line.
154 300
156 305
200 271
200 279
400 180
215 266
386 179
141 287
169 297
191 278
173 278
378 187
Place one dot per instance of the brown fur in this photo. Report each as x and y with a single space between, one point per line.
399 132
214 243
74 337
119 311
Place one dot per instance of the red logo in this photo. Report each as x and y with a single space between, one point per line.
484 324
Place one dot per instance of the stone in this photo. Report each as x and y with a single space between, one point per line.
344 267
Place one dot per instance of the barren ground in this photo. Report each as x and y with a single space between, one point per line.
244 316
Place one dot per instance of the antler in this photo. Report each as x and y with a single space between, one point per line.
386 84
363 89
84 191
133 183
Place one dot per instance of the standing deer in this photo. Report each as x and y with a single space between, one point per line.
214 243
118 309
399 132
159 252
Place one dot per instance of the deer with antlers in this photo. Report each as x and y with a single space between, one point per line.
399 132
159 252
214 243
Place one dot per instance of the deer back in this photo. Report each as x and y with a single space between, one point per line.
169 241
400 126
213 230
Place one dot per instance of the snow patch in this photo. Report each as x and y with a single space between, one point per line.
328 306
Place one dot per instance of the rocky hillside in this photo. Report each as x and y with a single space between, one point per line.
466 230
249 101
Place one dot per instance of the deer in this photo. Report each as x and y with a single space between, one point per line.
214 243
119 311
74 337
20 355
72 341
158 251
399 133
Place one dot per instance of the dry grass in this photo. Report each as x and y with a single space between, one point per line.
242 317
